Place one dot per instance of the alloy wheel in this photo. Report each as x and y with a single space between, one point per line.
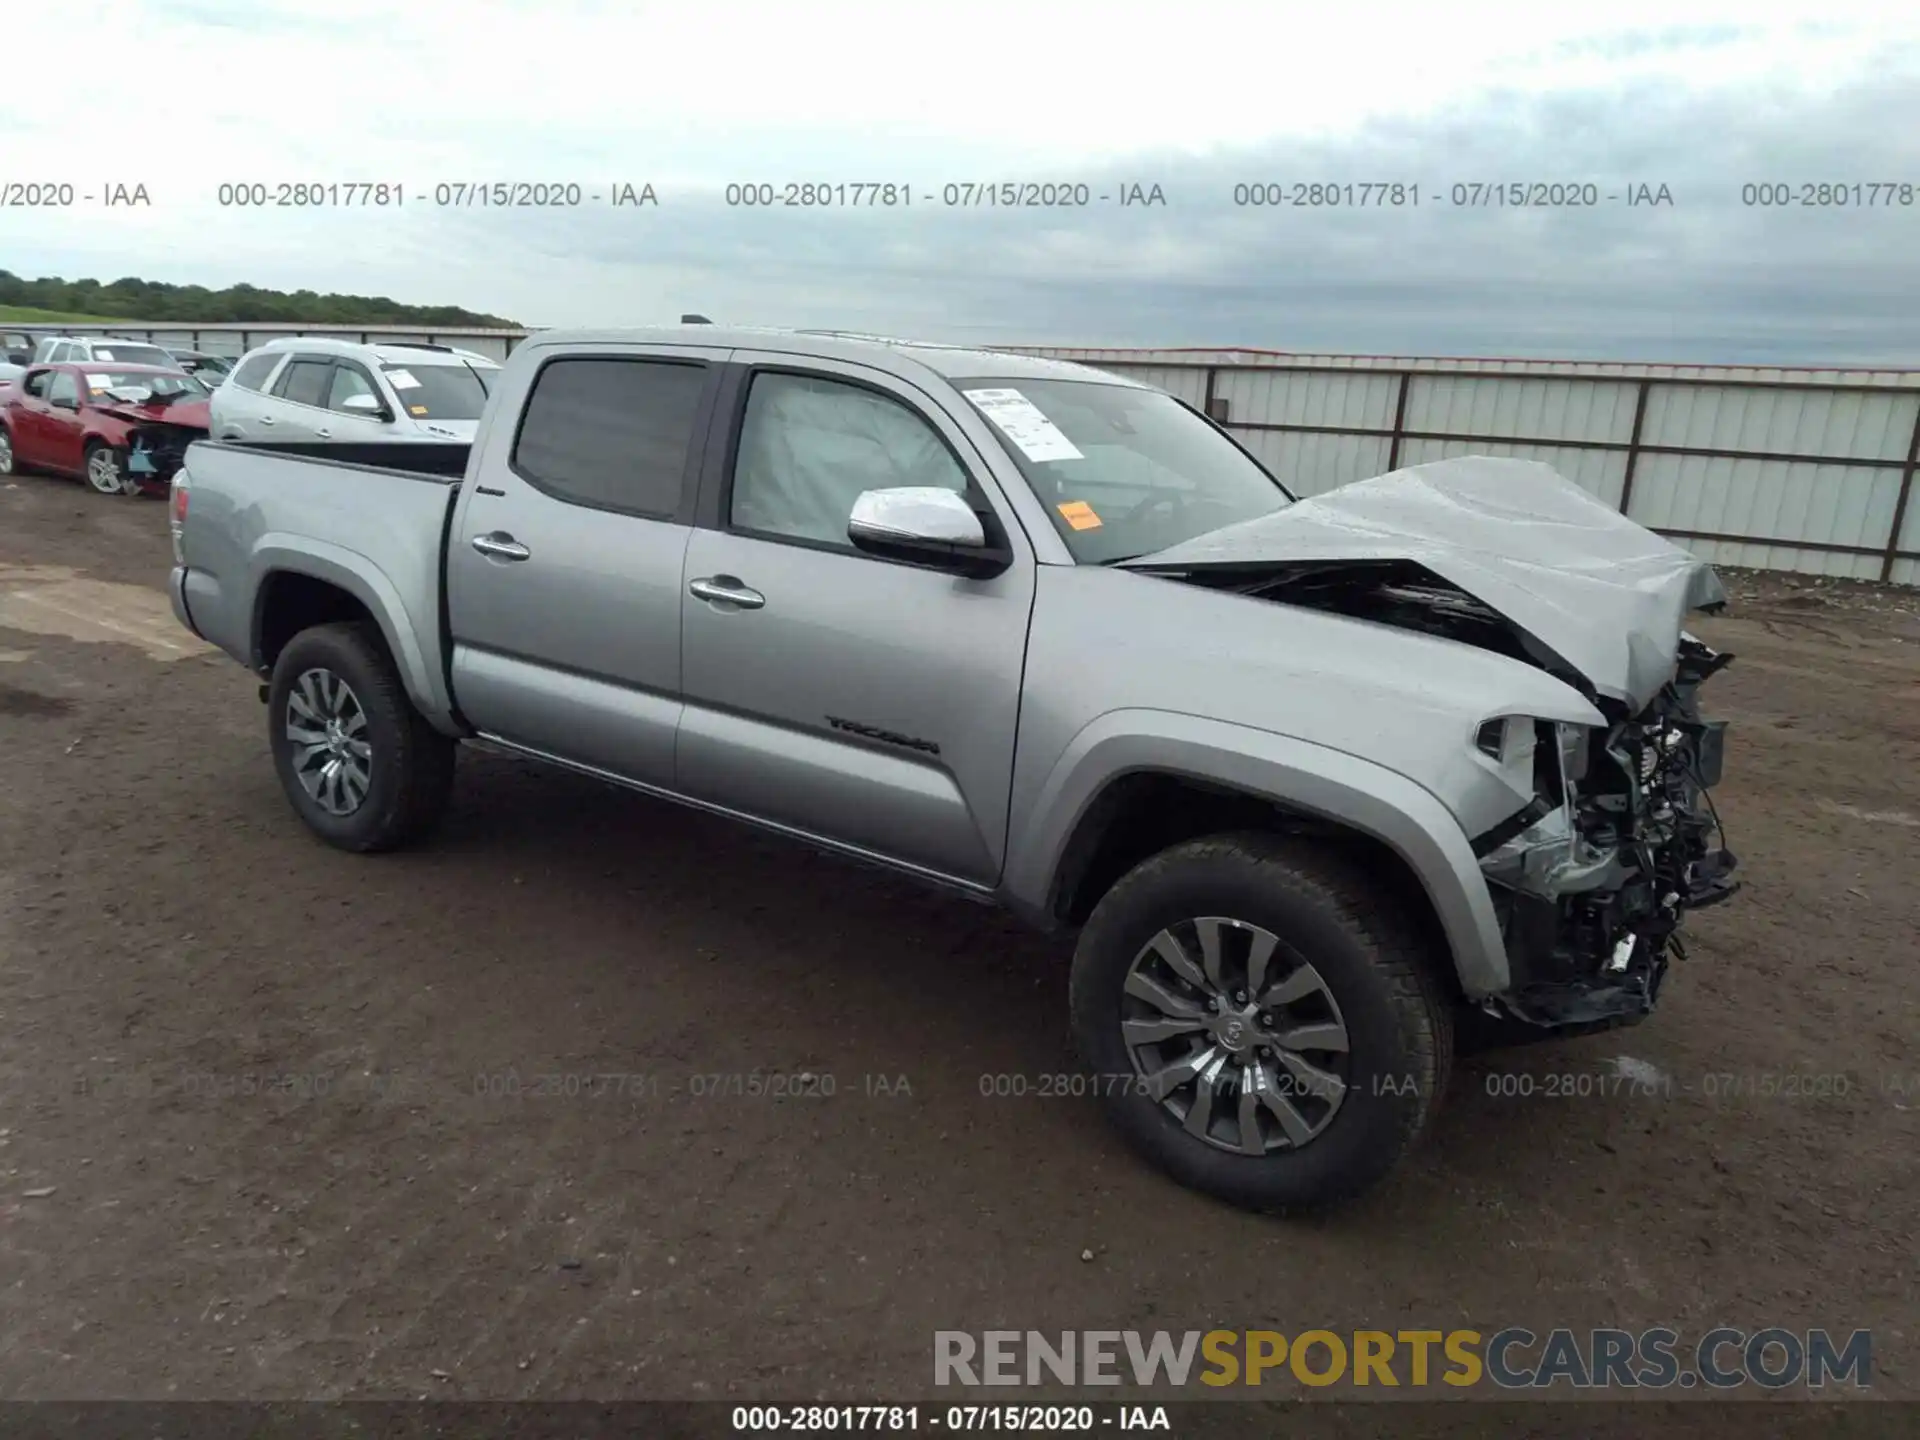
327 730
6 453
1236 1036
103 471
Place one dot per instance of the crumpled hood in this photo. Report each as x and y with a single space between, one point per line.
1605 594
191 413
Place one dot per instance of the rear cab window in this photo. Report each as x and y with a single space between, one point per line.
612 433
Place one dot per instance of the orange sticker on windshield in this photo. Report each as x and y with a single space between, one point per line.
416 409
1079 515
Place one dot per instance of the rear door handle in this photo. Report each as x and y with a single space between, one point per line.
323 434
266 419
500 546
726 590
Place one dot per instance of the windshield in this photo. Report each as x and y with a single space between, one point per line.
159 387
128 353
1122 471
439 392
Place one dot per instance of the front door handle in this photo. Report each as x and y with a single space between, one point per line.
726 590
266 419
500 546
323 434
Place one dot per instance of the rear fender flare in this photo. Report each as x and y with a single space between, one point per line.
352 572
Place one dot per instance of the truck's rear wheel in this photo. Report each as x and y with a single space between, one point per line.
1264 1023
358 762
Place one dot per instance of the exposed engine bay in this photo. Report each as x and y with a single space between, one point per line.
1622 839
156 451
156 447
1590 879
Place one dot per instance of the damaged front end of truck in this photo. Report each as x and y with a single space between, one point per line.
1622 839
1591 878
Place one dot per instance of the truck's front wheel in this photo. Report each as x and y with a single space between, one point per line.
1262 1021
358 762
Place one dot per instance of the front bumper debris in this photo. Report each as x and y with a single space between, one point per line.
1592 893
155 452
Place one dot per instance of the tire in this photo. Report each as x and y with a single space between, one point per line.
407 767
1368 977
8 465
102 460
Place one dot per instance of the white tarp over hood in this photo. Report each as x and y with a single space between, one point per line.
1607 595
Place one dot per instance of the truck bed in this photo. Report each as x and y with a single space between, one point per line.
369 519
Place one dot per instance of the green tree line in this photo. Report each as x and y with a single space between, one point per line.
132 298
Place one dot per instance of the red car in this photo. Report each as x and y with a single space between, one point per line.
124 429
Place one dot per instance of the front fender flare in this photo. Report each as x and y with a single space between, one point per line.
1297 774
275 554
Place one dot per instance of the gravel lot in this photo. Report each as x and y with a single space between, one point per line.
309 1125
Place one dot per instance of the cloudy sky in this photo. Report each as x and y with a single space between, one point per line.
1701 97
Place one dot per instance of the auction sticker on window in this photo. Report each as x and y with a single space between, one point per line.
402 380
1079 514
1021 422
99 382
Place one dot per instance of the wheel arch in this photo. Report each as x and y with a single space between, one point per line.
318 583
1136 781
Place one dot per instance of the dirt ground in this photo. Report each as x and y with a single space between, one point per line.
443 1123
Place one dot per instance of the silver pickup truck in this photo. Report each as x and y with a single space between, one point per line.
1321 787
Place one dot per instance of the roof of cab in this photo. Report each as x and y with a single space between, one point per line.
880 351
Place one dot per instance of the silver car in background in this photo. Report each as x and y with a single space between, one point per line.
319 389
92 349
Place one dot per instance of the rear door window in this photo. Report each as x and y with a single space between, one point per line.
613 434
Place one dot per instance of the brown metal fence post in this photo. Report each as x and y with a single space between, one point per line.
1399 420
1900 505
1633 446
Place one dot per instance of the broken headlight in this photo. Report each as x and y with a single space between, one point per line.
1545 758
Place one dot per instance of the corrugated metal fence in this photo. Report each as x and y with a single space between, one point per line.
1805 470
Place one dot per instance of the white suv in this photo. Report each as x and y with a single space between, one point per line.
321 390
85 349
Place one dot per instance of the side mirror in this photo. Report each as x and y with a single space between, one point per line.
65 403
925 525
20 357
368 405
